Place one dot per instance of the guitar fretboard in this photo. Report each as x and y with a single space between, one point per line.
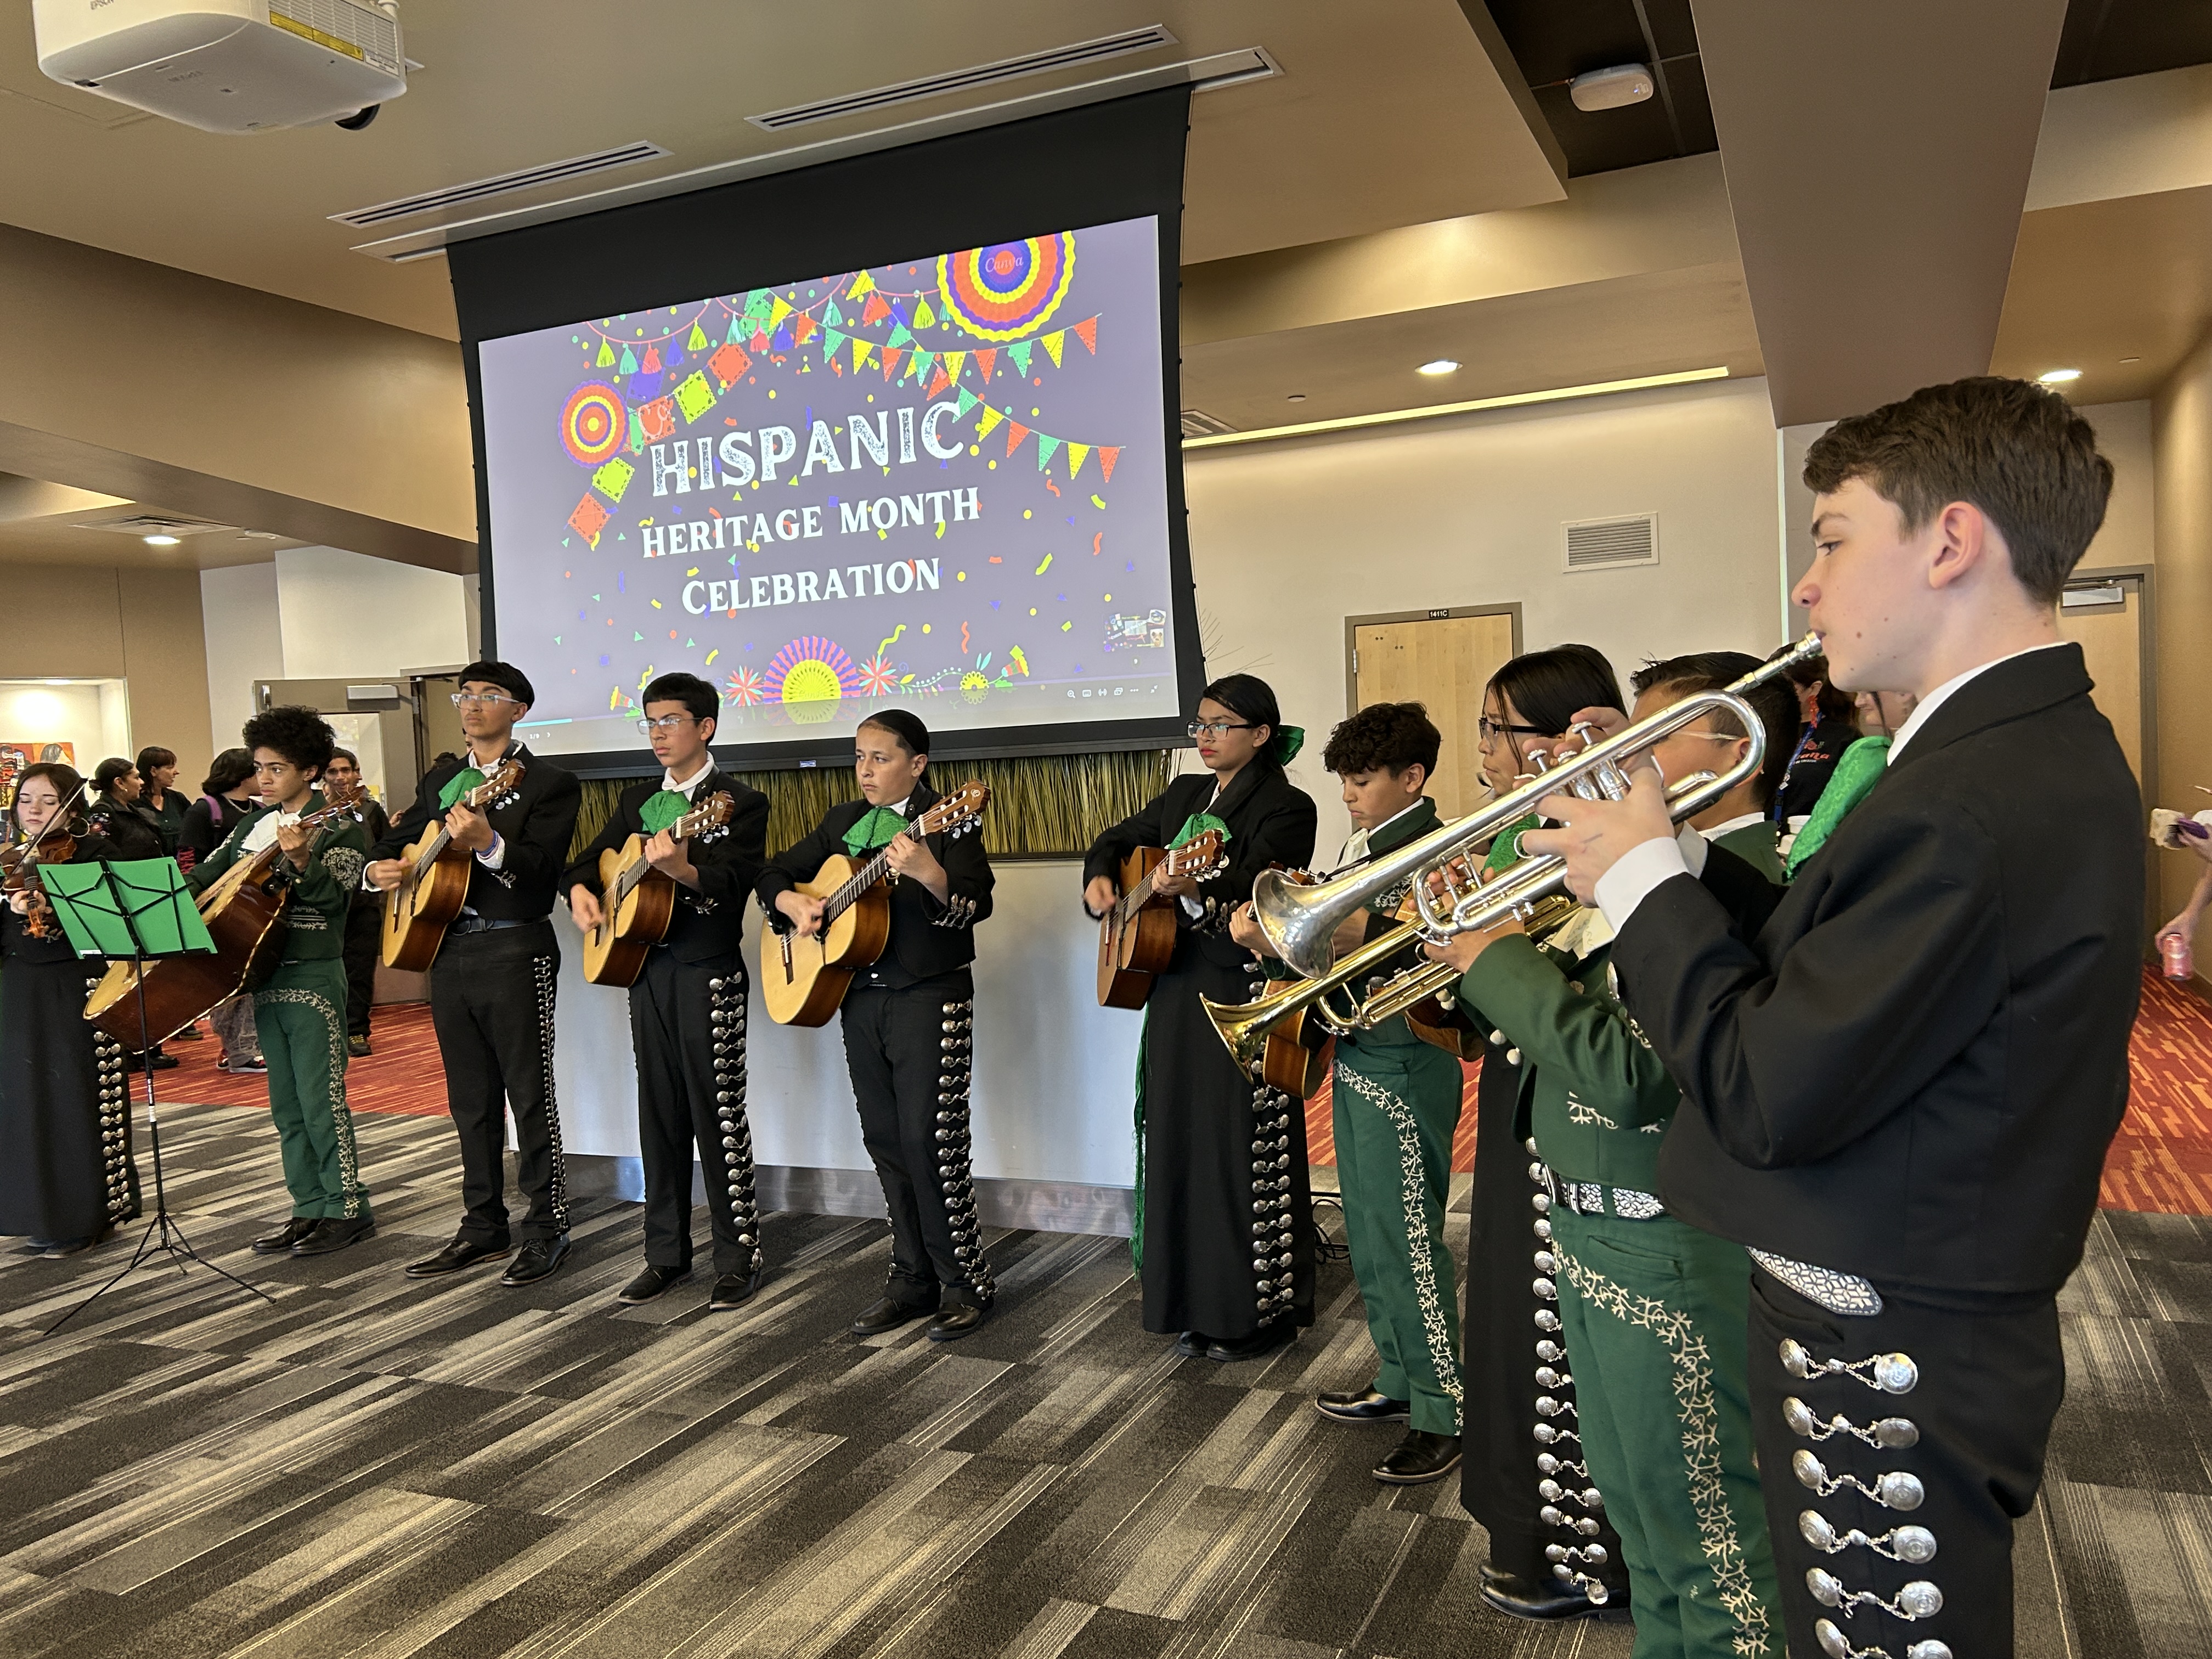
1141 895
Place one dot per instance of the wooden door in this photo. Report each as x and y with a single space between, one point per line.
2105 620
1442 662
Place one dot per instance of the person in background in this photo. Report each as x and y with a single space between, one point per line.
116 815
1741 819
158 798
1884 714
226 797
64 1097
1827 728
2183 925
364 933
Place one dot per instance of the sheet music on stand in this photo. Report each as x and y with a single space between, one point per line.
137 910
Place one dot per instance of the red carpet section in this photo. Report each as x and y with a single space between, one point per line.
2161 1160
403 1075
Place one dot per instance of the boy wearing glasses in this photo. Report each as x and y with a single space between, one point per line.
687 1008
492 984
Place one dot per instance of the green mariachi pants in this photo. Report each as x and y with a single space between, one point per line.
1654 1314
1396 1107
300 1016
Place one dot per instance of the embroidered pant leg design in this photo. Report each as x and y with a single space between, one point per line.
301 1021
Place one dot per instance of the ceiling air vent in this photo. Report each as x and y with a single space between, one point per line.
1607 543
156 524
982 75
1197 424
550 173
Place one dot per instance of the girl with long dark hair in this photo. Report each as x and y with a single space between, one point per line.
65 1096
1225 1246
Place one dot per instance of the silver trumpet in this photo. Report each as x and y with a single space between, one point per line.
1301 921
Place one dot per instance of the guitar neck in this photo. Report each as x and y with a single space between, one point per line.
861 881
1144 892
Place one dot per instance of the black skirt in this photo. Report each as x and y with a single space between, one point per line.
65 1099
1228 1245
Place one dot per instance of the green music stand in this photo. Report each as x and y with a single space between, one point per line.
137 911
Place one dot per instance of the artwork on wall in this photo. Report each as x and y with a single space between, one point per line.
15 756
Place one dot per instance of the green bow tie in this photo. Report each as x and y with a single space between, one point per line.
663 809
1855 774
459 785
1197 824
1506 849
876 828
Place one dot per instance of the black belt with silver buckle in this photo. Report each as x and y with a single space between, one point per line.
487 924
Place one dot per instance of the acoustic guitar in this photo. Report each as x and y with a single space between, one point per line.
803 977
244 910
1137 935
434 882
638 901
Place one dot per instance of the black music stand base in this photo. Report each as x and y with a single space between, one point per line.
163 1238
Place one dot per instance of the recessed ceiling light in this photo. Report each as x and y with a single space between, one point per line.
2131 360
2058 376
1436 366
161 541
1297 397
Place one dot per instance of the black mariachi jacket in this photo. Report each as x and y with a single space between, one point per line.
1913 1069
927 938
709 921
1271 820
537 819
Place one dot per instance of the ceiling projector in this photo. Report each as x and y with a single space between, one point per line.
228 65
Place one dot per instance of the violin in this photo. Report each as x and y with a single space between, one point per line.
19 867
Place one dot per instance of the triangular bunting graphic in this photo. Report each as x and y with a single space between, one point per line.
1107 457
986 359
967 401
1052 343
803 330
862 283
1045 448
861 351
952 361
696 340
832 343
606 357
891 356
900 336
756 304
1020 354
1087 332
779 308
989 418
1015 432
1075 454
937 383
875 311
923 316
922 362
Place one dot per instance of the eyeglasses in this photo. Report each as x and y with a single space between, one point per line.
484 699
1490 730
1215 728
666 723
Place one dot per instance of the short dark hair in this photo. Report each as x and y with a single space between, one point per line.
700 700
1550 687
1716 671
153 756
906 727
1388 735
66 782
347 757
504 675
105 774
300 735
2015 450
226 771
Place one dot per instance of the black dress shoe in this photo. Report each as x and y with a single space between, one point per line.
1363 1405
733 1290
1542 1599
649 1284
335 1233
957 1319
536 1260
1193 1343
461 1253
1420 1457
886 1315
285 1236
1265 1340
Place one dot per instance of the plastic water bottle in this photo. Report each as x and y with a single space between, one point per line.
2179 960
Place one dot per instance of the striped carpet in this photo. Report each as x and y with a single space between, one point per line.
2161 1161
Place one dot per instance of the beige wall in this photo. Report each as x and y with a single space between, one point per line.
1288 539
142 626
2182 432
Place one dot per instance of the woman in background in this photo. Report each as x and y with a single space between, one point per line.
227 795
1224 1249
65 1096
1829 728
158 799
116 815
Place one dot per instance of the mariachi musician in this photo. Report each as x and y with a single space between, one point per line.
1225 1248
492 984
909 1024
